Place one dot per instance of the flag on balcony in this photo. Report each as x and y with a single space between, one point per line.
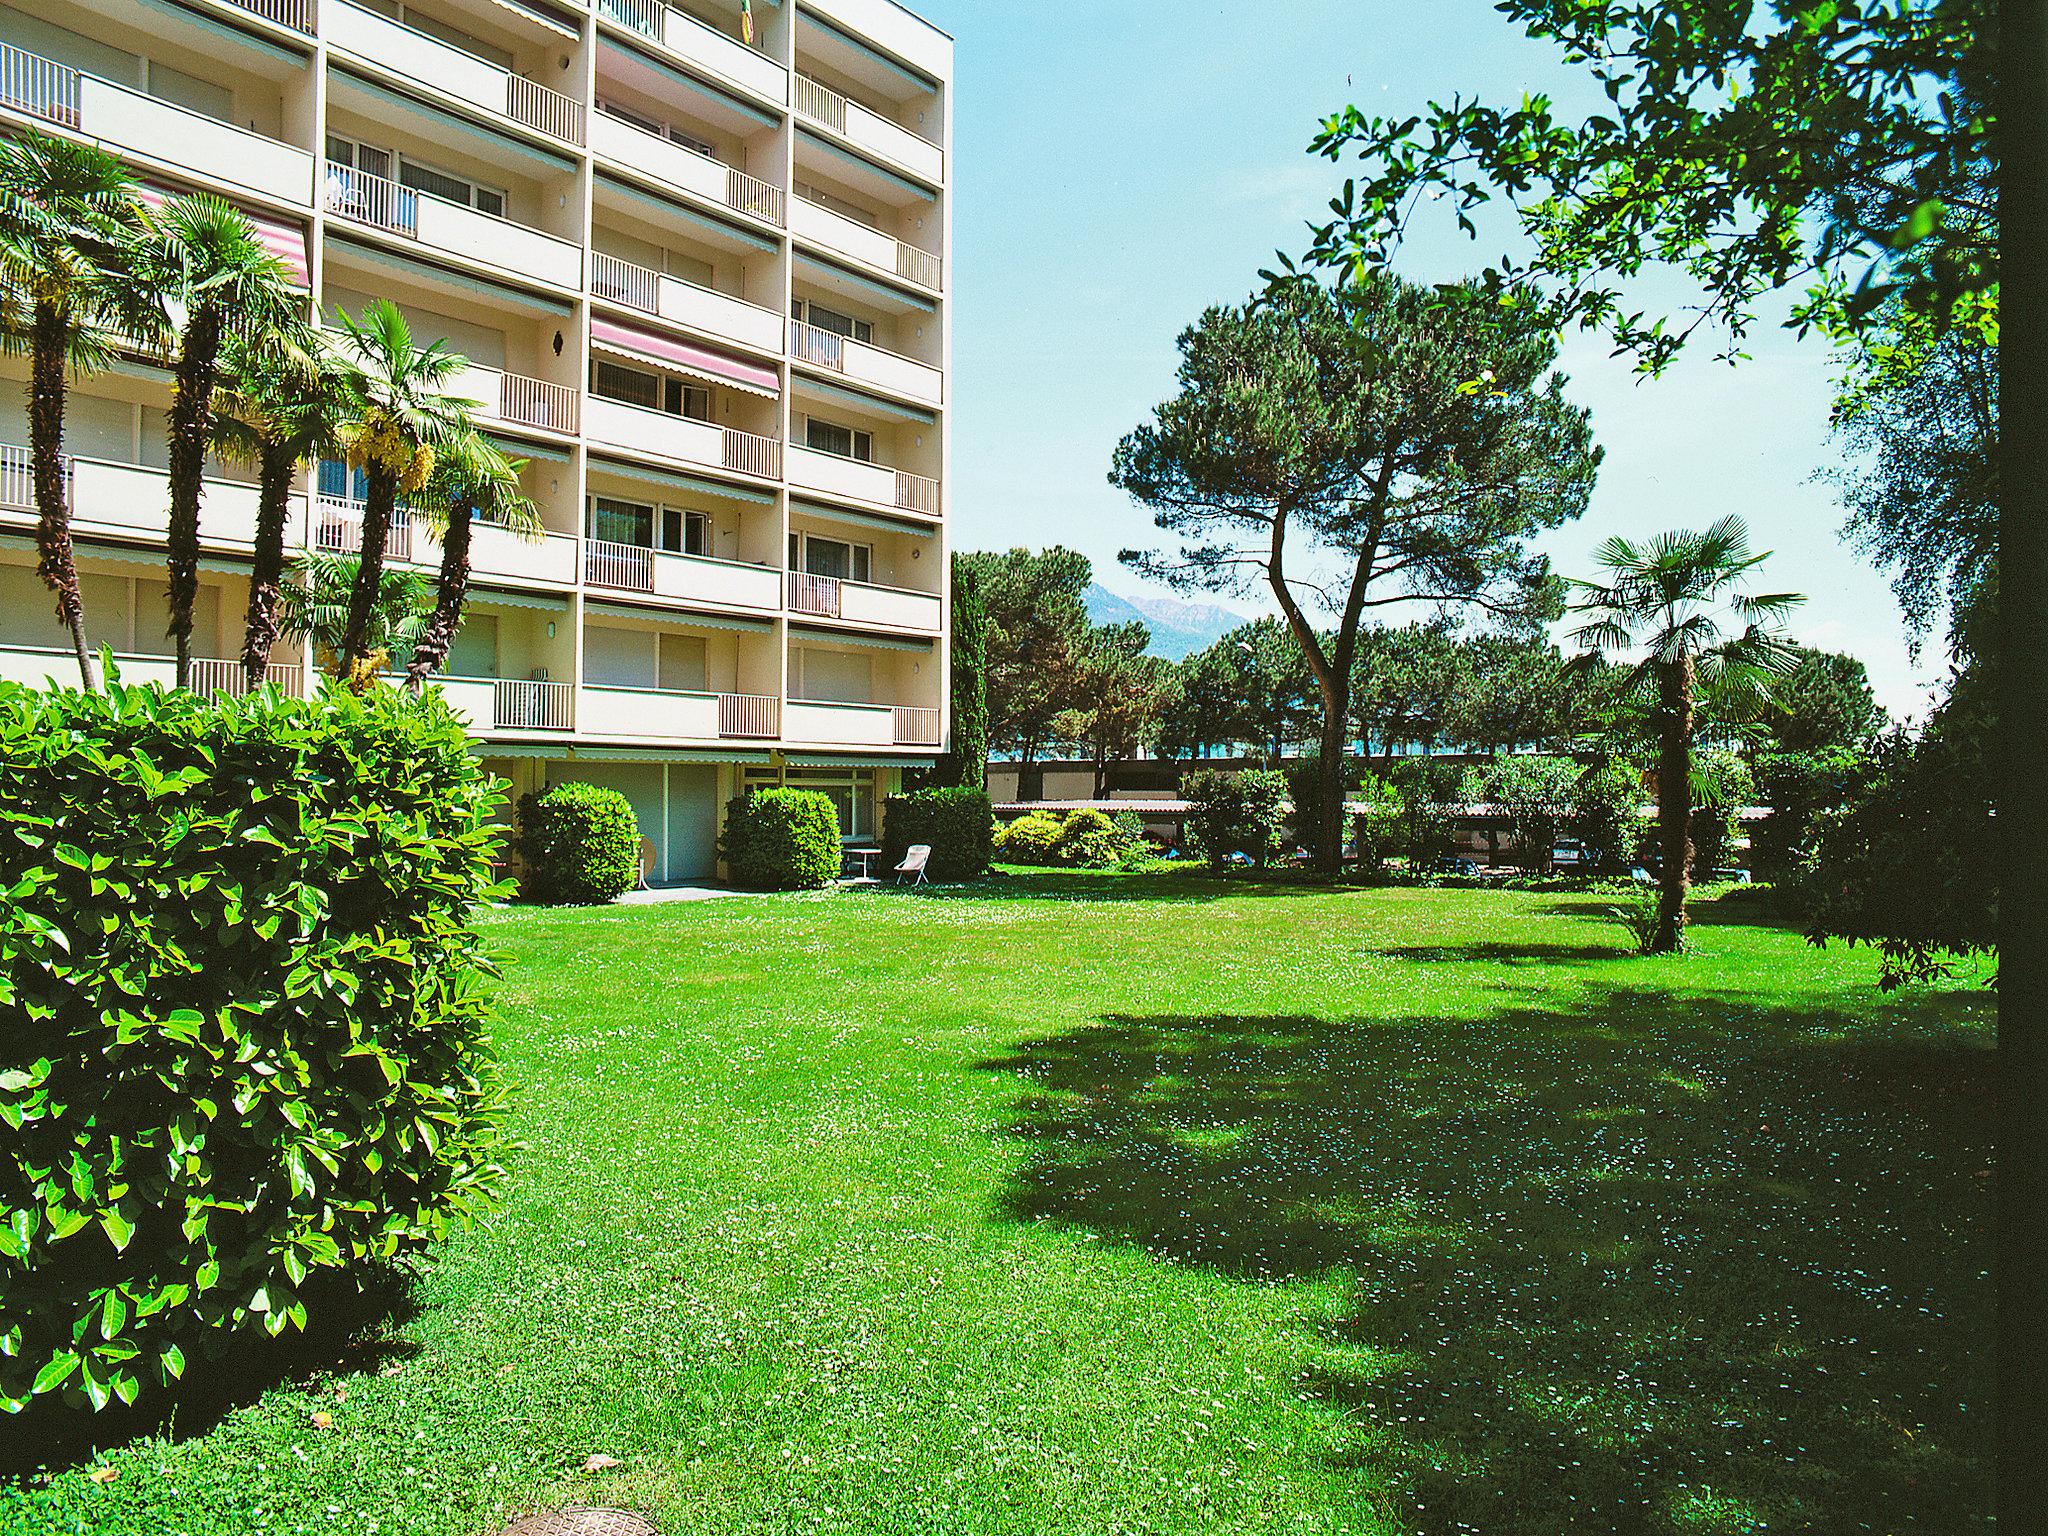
747 22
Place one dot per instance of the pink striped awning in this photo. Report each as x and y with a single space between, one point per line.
281 237
697 362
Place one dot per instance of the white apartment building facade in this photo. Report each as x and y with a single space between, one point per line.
701 280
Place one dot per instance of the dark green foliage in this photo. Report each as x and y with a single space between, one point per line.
1428 790
1535 793
581 844
965 762
1306 783
1235 813
781 840
1030 838
1914 866
1604 814
1824 702
1722 785
1089 840
956 822
241 1015
1798 788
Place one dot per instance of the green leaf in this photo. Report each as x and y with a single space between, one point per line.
118 1228
56 1372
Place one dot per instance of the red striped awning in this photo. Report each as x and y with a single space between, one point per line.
283 238
683 357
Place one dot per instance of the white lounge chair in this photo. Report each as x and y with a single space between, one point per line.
914 860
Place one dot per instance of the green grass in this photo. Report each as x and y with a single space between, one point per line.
1140 1204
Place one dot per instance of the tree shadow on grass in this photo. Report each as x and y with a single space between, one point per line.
1660 1263
1177 886
349 1331
1494 952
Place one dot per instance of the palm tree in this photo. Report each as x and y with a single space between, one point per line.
314 604
207 262
401 420
472 479
279 408
1678 597
68 216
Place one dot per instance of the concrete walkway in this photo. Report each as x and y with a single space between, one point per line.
663 893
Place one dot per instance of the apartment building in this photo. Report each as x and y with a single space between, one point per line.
696 257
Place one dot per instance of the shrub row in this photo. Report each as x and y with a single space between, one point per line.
956 823
241 1015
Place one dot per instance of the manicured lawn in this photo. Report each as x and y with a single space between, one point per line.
1167 1206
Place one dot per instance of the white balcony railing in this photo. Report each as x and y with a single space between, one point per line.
700 43
150 127
132 499
520 704
865 361
747 715
625 282
539 106
681 166
454 71
703 309
869 130
449 226
338 529
628 567
211 677
914 726
752 454
861 480
809 593
296 14
864 243
17 478
537 403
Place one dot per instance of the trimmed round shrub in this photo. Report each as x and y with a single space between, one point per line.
781 840
956 823
1030 838
1088 840
581 843
241 1016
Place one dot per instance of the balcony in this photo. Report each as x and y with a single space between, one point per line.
509 704
865 362
684 578
127 500
678 437
450 227
212 676
398 49
151 129
686 36
861 725
859 602
849 237
664 713
857 480
495 551
295 14
869 131
515 398
636 149
702 309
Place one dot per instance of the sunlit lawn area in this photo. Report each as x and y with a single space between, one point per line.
1144 1203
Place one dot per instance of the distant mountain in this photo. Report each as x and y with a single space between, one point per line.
1179 628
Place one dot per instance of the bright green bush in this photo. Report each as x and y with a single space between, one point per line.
956 823
1030 838
1089 840
581 844
781 840
1380 829
241 1016
1605 814
1232 813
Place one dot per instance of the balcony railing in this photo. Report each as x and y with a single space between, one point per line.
211 676
747 715
338 529
370 199
629 567
809 593
863 242
752 454
296 14
821 103
813 344
450 226
680 165
18 481
642 16
537 403
519 704
914 727
625 282
539 106
38 86
215 677
917 493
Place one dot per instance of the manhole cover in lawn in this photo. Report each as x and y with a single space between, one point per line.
576 1521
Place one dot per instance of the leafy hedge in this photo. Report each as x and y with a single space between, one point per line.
1030 838
241 1016
781 840
1235 813
581 843
957 823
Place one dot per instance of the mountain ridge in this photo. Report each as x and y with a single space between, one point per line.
1179 627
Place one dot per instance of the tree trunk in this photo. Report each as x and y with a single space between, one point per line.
46 467
380 494
453 591
1329 842
1674 803
191 430
266 567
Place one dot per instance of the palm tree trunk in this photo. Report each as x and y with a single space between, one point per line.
1674 803
54 563
380 493
266 568
452 593
191 431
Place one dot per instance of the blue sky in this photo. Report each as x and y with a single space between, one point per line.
1119 167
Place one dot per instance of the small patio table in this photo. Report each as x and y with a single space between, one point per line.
860 860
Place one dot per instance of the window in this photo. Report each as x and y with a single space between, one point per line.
830 557
831 437
851 791
831 320
366 158
691 400
659 129
839 205
621 522
338 482
697 534
617 382
454 189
